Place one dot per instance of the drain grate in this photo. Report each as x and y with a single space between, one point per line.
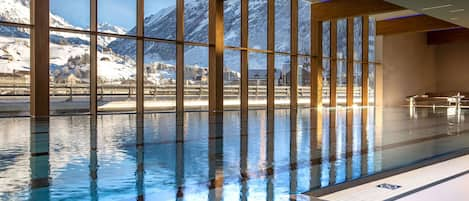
389 186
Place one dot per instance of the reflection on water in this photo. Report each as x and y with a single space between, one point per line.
258 155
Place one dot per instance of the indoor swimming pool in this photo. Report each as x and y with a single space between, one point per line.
263 155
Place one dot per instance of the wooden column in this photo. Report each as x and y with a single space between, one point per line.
333 76
364 142
271 55
140 57
180 56
93 57
316 63
294 55
216 50
40 58
244 55
350 46
365 62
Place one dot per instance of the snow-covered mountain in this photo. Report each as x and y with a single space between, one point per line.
163 25
117 55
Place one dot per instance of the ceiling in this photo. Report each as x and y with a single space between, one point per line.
395 14
453 11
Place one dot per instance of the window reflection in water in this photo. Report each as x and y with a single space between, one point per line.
260 156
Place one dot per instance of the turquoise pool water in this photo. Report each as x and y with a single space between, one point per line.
261 156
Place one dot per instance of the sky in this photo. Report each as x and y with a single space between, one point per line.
117 12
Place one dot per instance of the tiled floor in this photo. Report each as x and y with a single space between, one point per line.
453 190
424 177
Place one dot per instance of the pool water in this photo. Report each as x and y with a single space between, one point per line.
263 155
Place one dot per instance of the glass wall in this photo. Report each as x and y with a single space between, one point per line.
304 81
282 81
14 70
116 77
69 73
257 23
372 60
15 11
115 18
160 19
196 78
232 57
195 21
304 27
70 54
15 62
357 60
342 62
257 80
231 80
160 76
326 71
77 10
282 25
232 23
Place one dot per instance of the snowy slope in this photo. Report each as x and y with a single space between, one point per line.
163 25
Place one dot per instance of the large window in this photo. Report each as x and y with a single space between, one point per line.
76 11
116 77
357 60
304 81
231 80
196 78
304 27
257 78
342 62
196 21
117 16
15 11
372 59
232 17
15 58
257 23
160 19
282 81
160 76
282 25
72 44
14 70
69 73
326 71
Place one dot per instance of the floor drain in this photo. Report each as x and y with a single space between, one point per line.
389 186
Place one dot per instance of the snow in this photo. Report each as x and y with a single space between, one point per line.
18 49
15 11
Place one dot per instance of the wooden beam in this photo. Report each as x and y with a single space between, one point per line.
316 63
140 59
216 51
39 105
350 46
180 56
244 55
294 55
447 36
365 58
416 23
336 9
271 55
333 75
93 57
